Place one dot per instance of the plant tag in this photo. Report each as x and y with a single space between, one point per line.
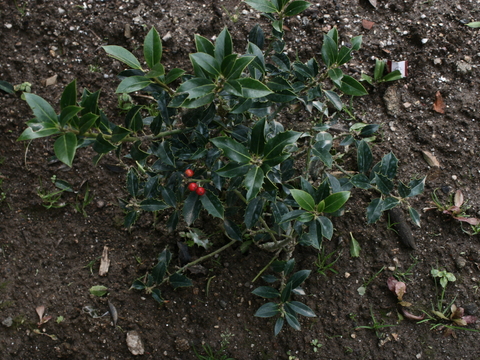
401 66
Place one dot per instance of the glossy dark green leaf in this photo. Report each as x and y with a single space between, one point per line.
322 146
130 219
132 84
384 184
172 221
257 142
267 310
206 62
414 215
344 55
119 133
266 292
153 205
253 182
65 147
179 280
157 296
232 149
252 89
173 75
300 308
350 86
326 226
364 157
42 110
165 154
335 201
256 36
265 6
198 102
212 204
223 45
361 181
278 325
329 51
191 208
159 271
336 75
298 278
68 113
416 187
123 55
374 210
138 285
334 99
369 130
133 119
137 153
233 169
102 146
204 45
390 203
389 166
232 230
354 247
196 87
304 199
282 61
275 146
253 212
152 48
157 70
8 88
69 95
293 215
356 42
133 182
393 76
296 7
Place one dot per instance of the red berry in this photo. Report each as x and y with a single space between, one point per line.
189 173
200 191
192 186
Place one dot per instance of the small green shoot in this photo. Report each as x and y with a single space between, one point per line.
323 265
210 354
474 24
91 264
315 345
377 326
83 201
403 276
60 319
363 289
378 74
354 247
445 277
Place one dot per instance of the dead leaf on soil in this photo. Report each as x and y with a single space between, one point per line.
52 80
40 311
439 104
373 3
367 25
430 159
104 263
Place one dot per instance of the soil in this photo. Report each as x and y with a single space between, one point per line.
45 253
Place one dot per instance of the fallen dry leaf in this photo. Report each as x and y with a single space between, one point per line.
430 159
373 3
439 104
40 311
52 80
367 25
104 263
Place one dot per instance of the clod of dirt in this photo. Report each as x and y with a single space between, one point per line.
392 101
134 343
181 344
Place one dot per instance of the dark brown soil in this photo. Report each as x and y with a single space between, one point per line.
44 253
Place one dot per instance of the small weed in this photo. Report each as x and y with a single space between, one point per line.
363 289
83 201
210 354
60 319
22 9
403 276
315 345
323 265
91 264
377 326
95 68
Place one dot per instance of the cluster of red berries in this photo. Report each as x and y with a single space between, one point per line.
194 186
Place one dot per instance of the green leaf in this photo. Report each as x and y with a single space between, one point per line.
42 110
157 296
133 182
152 48
384 184
123 55
298 278
350 86
98 290
240 64
292 320
196 103
179 280
196 87
173 75
153 205
212 204
334 99
69 95
379 69
364 157
344 55
102 146
286 292
414 215
416 187
204 45
296 7
274 147
361 181
304 199
266 292
256 36
206 62
326 226
228 64
233 170
232 149
335 201
374 210
292 215
336 75
267 310
252 89
191 208
322 146
329 51
392 76
265 6
389 166
68 113
65 147
354 247
278 325
157 70
390 203
223 45
257 142
253 182
253 212
474 24
300 308
7 87
132 84
356 42
232 230
165 154
133 119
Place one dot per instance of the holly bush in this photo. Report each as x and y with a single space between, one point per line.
220 129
